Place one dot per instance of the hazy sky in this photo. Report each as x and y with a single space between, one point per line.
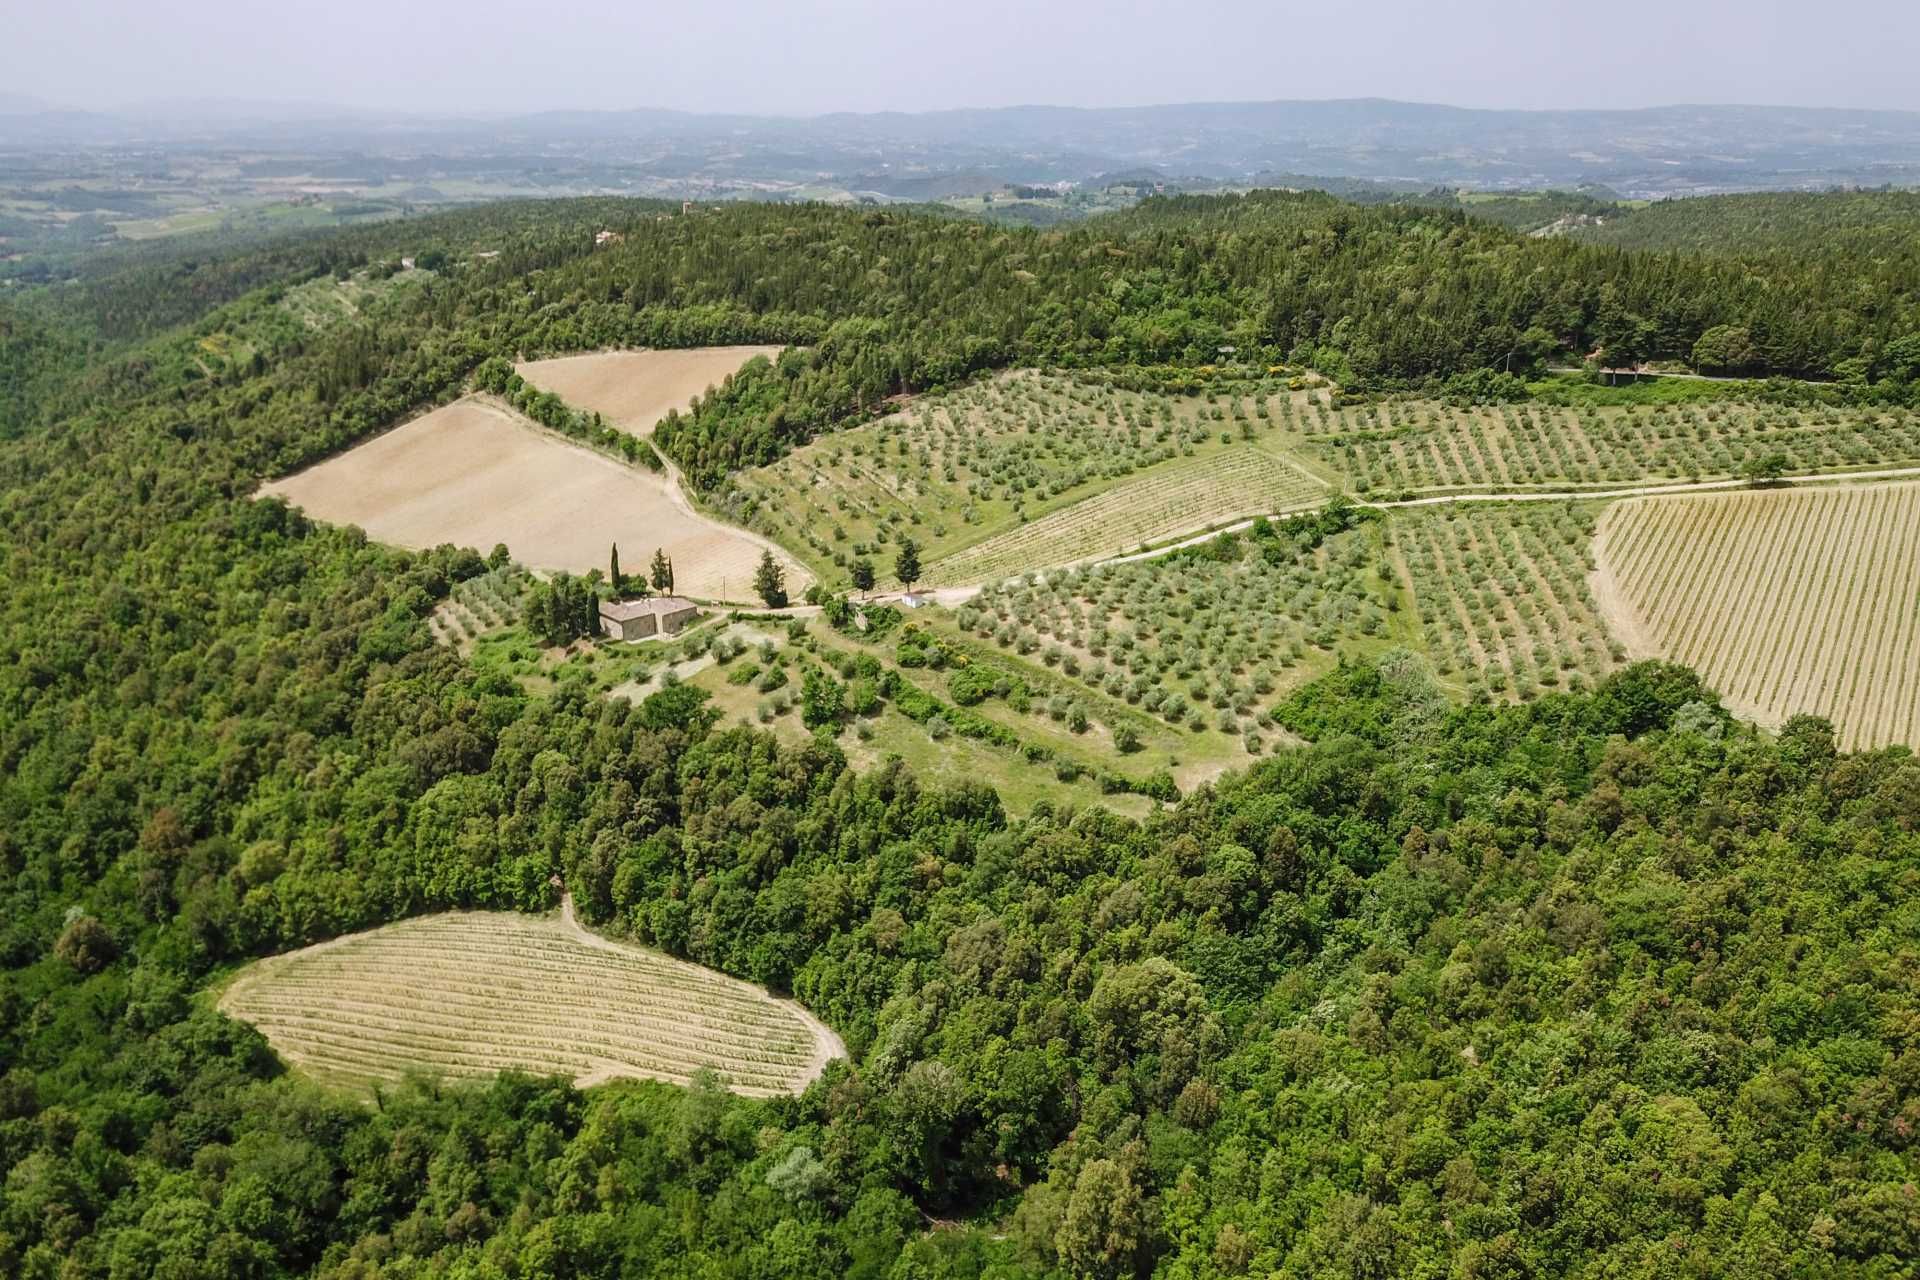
809 56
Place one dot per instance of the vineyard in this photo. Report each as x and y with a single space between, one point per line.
1423 444
960 468
1502 596
1186 496
488 603
1787 601
475 993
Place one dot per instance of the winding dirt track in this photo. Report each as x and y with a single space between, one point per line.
1544 495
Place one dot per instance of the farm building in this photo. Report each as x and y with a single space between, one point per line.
638 619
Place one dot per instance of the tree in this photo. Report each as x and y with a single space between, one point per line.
906 565
1765 472
770 581
662 572
562 609
862 571
86 945
613 571
1104 1226
821 698
1725 348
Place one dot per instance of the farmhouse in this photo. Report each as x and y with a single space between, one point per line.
638 619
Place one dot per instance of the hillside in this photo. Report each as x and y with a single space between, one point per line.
1839 223
1646 152
1327 900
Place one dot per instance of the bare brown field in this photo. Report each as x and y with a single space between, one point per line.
1787 601
473 473
633 390
472 993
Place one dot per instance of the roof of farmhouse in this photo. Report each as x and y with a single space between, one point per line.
626 610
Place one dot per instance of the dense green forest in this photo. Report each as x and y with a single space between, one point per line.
1604 985
1837 225
895 301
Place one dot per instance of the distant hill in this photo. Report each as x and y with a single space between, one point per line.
1659 151
1877 222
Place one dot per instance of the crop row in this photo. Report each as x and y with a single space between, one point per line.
1788 601
472 992
1196 641
1503 598
957 467
1184 497
1418 444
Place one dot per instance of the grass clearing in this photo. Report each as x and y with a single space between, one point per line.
479 992
1181 497
475 474
1786 600
633 390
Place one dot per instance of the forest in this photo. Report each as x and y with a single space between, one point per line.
1607 984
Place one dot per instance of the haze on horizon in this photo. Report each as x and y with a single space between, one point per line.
810 57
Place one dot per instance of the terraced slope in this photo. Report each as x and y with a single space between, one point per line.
474 993
1786 600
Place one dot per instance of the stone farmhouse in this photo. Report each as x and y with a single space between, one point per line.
654 616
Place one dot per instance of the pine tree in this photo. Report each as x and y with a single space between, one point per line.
613 571
863 579
771 581
906 565
662 571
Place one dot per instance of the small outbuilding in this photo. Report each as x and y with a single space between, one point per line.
653 616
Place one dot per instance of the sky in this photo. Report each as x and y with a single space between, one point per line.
805 57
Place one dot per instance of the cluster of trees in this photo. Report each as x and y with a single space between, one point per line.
564 607
1604 984
658 577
